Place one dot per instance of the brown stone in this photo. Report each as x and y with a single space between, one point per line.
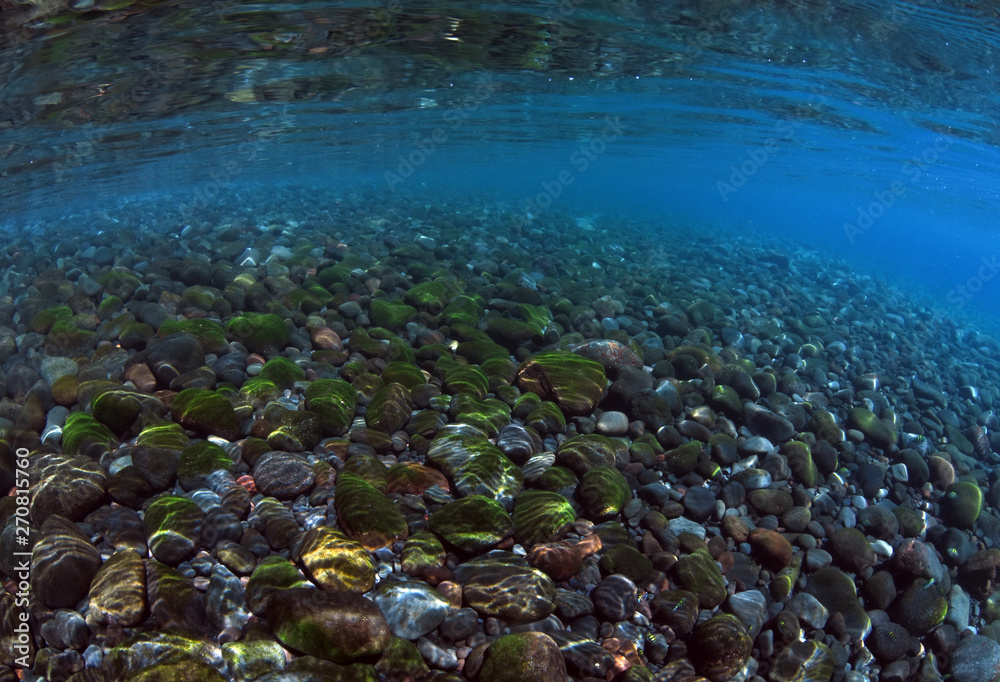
140 375
324 338
771 547
560 560
735 528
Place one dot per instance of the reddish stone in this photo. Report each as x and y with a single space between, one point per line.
560 560
324 338
771 547
140 375
410 478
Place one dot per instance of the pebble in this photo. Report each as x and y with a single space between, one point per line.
613 424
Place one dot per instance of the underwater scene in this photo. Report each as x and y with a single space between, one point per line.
531 341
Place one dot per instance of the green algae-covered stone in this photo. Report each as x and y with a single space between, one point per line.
873 428
825 427
65 338
488 415
514 593
84 435
546 417
851 550
173 600
399 350
118 591
401 660
63 563
263 333
42 322
422 551
334 562
837 592
720 647
165 435
677 609
468 379
481 352
492 474
961 504
726 400
337 626
119 409
411 478
477 466
334 401
912 523
559 480
573 382
511 333
462 310
389 409
282 372
405 373
541 516
249 659
205 412
582 453
188 669
173 526
682 460
391 315
295 430
602 493
198 461
473 524
272 574
209 333
370 468
362 342
698 573
771 502
809 661
366 515
784 581
432 295
524 657
921 607
426 423
627 561
801 463
259 392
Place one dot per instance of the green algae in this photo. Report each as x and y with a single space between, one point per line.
282 372
472 524
334 401
391 315
541 516
366 514
573 382
263 333
205 412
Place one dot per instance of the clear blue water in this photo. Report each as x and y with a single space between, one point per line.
864 130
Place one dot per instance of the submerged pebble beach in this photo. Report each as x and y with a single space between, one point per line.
342 436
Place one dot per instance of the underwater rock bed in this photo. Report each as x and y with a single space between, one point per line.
425 440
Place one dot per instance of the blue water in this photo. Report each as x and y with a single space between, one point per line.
866 131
